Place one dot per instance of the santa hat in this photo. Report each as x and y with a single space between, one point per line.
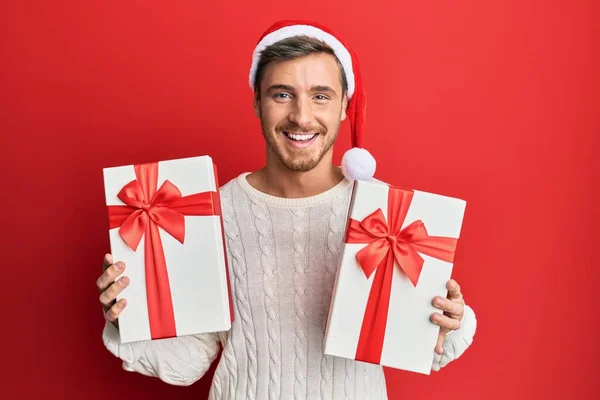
357 163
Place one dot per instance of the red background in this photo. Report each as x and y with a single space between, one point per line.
493 102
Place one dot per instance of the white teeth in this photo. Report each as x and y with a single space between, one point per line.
300 137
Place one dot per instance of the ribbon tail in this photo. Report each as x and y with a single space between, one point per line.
372 255
171 221
409 261
133 228
372 333
158 291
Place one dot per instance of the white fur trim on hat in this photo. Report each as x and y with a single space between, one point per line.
295 30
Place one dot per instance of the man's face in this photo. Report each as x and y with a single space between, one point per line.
301 107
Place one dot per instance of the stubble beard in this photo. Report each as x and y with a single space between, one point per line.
302 160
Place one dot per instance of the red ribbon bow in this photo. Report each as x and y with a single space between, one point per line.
387 243
146 209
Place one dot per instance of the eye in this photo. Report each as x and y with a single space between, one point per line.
281 96
321 97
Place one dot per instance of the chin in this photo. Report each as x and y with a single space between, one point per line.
300 164
298 160
300 168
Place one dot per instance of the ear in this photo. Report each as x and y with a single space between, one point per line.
257 104
344 107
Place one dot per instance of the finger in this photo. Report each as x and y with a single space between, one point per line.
109 276
113 313
110 294
444 321
453 290
108 261
454 308
439 346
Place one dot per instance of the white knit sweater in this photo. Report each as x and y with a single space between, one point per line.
283 255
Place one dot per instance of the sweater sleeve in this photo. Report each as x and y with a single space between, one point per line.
457 341
178 361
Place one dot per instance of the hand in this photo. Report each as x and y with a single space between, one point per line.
109 289
453 308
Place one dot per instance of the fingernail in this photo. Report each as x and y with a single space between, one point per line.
119 266
440 302
123 303
125 281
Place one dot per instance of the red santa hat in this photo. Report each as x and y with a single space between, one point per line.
357 163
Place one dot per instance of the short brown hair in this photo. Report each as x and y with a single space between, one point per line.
291 48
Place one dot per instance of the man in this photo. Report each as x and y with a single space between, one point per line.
284 226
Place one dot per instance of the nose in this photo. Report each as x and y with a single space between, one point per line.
301 113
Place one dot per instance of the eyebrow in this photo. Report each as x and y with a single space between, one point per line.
316 88
321 88
279 86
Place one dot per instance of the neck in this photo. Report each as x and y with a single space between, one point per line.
277 180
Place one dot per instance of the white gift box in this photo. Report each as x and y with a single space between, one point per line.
409 337
192 277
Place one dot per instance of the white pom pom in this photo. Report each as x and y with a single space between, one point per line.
358 164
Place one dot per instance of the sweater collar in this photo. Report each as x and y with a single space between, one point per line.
342 187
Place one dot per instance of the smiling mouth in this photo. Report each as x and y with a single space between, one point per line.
299 137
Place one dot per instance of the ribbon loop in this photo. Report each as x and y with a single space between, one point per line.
414 232
167 194
375 225
132 194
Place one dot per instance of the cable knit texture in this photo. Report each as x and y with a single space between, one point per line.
334 240
283 256
299 224
262 222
